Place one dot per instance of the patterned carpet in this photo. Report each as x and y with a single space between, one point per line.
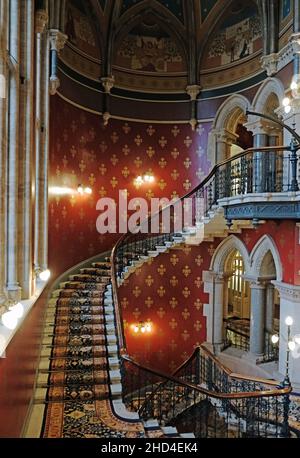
77 383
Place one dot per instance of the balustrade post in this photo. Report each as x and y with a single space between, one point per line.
294 160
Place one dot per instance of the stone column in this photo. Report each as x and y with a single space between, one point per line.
13 287
214 285
269 307
224 141
260 129
257 320
57 42
42 58
25 257
4 11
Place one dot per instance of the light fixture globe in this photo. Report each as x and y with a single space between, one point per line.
9 320
17 310
45 275
292 345
289 321
275 339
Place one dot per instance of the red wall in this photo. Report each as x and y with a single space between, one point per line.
169 292
18 370
285 235
83 151
179 327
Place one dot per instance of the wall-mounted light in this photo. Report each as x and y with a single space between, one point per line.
84 190
142 327
143 179
14 311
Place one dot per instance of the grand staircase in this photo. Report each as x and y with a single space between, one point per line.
82 384
78 389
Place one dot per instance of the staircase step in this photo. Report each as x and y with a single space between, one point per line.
170 431
115 376
116 390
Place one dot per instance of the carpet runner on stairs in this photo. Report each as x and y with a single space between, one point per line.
77 380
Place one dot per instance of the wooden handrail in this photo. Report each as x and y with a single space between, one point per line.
213 394
124 237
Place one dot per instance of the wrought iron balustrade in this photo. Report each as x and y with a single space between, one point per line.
219 404
235 337
245 403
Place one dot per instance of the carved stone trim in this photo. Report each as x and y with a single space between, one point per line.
193 91
223 251
263 210
288 292
108 83
54 84
41 19
270 63
57 40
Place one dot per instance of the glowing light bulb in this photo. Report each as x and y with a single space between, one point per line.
286 101
45 275
275 339
289 321
292 345
80 189
88 190
136 329
294 85
287 109
148 327
17 310
9 320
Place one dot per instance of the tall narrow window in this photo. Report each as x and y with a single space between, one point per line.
238 304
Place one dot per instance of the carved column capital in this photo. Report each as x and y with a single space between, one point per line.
295 42
108 83
193 91
57 40
41 20
224 136
260 126
270 63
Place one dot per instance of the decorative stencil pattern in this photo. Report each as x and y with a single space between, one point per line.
108 159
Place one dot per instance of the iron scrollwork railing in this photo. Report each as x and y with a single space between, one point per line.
204 398
255 170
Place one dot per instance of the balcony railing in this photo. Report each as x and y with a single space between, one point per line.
219 404
253 171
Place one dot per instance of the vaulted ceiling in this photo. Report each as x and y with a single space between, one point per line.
162 44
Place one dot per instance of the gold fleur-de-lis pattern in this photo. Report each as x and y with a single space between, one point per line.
171 297
108 159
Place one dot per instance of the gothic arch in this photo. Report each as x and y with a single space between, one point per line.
164 18
271 86
258 255
230 112
228 245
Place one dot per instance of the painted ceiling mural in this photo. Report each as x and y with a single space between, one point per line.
148 48
175 6
238 37
79 30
